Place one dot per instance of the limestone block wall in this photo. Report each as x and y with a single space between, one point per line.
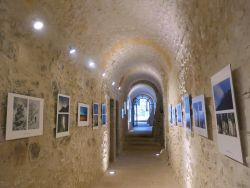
216 35
38 64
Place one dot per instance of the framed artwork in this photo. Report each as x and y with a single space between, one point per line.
226 115
179 114
122 113
173 115
63 116
24 116
170 114
125 108
95 115
187 113
83 114
104 114
199 115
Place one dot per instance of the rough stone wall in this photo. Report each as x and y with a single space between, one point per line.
38 64
216 34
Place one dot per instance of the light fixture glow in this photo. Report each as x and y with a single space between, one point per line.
119 88
72 51
113 83
38 25
103 75
91 64
111 172
157 154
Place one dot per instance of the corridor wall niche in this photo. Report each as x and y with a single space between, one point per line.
24 116
226 115
63 116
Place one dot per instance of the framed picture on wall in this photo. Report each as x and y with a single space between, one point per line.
63 116
188 123
226 115
199 115
24 116
122 113
179 114
173 115
83 114
170 114
104 114
95 115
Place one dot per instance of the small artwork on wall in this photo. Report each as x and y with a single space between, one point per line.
122 113
24 116
63 115
83 114
95 115
104 114
173 115
226 115
199 115
179 114
170 114
188 123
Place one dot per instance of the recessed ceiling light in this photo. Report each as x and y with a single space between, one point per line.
91 64
113 83
111 172
38 25
119 88
72 50
103 75
157 154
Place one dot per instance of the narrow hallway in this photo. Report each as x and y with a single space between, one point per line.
139 169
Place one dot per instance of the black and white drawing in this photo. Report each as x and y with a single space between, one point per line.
24 116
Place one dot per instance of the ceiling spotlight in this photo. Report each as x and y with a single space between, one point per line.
38 25
72 51
113 83
103 75
91 64
111 172
157 154
119 88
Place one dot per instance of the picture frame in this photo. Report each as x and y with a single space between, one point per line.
95 117
228 136
173 115
63 116
179 114
170 114
199 115
122 113
187 114
24 116
104 114
83 115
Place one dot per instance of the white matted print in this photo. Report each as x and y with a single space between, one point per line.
24 116
199 115
83 114
179 114
63 116
170 114
95 115
226 116
188 123
173 115
104 114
